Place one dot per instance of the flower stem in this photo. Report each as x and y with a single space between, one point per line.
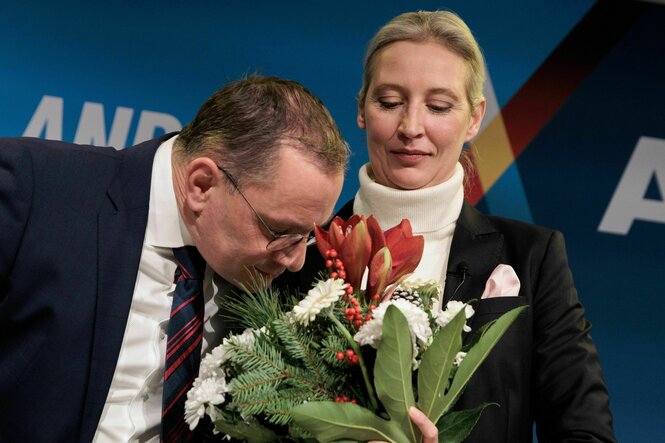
363 368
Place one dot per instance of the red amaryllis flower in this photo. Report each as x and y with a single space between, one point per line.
400 256
352 242
360 243
406 249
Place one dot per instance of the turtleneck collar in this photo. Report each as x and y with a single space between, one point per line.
428 209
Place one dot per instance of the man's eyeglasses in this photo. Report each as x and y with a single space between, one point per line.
279 241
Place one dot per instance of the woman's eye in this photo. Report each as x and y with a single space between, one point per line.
386 104
439 109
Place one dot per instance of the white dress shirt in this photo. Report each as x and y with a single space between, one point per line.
132 411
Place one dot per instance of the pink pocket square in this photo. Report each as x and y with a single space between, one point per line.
502 283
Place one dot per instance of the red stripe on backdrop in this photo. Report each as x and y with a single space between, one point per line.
548 89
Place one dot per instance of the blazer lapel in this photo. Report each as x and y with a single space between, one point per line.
121 232
474 253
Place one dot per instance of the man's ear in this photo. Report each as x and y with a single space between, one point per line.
360 118
202 176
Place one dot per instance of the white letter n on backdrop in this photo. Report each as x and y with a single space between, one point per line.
150 121
47 118
628 203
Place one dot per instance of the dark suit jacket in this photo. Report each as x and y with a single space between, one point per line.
545 368
72 220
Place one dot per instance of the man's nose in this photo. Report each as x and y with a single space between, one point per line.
292 258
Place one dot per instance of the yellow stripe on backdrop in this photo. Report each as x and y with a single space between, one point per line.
494 153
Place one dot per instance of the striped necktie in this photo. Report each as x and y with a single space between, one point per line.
183 349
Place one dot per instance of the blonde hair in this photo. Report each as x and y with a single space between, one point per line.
443 27
447 29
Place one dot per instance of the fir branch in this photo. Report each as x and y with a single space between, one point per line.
254 309
265 359
278 408
339 382
262 356
299 345
275 405
255 383
330 346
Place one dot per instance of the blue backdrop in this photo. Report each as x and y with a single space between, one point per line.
120 72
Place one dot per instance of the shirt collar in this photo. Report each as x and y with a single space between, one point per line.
165 226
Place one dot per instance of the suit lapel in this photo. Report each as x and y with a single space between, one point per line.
121 230
477 246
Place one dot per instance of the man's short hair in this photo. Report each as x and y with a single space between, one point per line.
243 125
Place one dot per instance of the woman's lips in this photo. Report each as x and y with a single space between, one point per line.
410 157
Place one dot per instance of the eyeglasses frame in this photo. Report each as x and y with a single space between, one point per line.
297 238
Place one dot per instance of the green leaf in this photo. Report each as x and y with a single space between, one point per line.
436 365
477 355
330 421
393 371
455 426
476 336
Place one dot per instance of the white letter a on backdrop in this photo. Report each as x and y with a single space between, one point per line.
628 202
47 118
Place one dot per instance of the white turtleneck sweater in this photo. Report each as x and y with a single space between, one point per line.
433 213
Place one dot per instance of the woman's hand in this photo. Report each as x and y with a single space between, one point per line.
427 428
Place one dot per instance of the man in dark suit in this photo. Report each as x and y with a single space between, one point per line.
545 369
89 238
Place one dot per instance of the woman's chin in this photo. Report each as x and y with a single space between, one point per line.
409 182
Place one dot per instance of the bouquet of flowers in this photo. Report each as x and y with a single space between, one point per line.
346 362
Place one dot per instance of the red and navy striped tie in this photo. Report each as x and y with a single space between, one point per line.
183 349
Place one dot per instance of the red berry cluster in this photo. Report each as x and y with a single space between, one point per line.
354 313
349 355
345 399
335 265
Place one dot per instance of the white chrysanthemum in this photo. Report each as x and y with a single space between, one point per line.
211 364
213 413
320 297
444 317
370 332
458 358
245 340
204 392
